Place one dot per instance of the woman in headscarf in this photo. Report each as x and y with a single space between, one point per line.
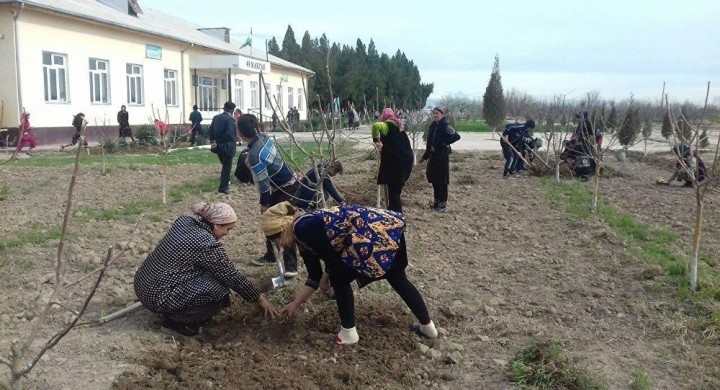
188 277
123 119
437 153
396 156
354 243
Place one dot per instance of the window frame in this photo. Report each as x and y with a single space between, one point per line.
136 82
173 82
61 76
99 79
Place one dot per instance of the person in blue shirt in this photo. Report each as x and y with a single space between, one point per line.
307 195
275 182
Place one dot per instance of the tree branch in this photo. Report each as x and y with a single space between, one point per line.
58 336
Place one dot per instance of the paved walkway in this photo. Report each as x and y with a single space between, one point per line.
469 141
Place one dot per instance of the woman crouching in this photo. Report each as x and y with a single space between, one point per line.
188 277
355 243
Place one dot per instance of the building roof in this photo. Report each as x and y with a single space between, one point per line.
150 22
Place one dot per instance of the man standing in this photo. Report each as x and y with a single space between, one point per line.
223 142
195 119
275 182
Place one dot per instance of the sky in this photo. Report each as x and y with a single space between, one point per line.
546 48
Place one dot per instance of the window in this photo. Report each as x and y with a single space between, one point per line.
290 98
170 87
55 77
99 81
134 84
209 93
254 97
239 94
278 97
300 98
267 97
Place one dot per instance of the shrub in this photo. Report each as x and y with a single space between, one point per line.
110 145
544 365
146 135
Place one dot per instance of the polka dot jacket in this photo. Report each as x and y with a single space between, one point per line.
189 268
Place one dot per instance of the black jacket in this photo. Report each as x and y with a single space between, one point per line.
440 136
396 158
222 132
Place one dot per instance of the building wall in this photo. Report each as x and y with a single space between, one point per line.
44 31
8 88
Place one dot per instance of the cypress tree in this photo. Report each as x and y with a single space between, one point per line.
494 99
667 127
630 127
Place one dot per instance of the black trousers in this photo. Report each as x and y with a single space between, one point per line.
341 276
440 193
394 201
194 132
509 160
284 194
227 162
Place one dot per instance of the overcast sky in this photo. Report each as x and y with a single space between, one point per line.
546 47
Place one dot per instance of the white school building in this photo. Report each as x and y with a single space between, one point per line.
61 57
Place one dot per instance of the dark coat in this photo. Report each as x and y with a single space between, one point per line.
222 132
396 158
437 151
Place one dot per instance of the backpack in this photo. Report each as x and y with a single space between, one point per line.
242 172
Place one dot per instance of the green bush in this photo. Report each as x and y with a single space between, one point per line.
146 135
111 145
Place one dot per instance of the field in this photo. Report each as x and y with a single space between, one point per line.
513 263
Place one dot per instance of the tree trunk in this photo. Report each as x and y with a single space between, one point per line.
696 239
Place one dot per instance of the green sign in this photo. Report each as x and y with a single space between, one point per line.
153 52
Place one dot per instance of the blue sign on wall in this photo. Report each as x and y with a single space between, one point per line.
153 52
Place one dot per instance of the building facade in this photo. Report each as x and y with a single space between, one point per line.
61 57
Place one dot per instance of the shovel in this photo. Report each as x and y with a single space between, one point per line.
279 281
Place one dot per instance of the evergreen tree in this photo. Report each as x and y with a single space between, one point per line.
290 49
494 98
273 47
667 127
630 127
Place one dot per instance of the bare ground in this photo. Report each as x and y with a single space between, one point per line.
505 266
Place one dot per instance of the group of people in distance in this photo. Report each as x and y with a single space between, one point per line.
188 277
584 148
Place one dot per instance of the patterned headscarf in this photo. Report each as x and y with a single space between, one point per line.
25 115
215 213
275 219
388 113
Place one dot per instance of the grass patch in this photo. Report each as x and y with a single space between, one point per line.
472 126
650 243
545 366
467 180
4 192
641 381
37 234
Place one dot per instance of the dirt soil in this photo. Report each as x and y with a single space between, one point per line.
503 267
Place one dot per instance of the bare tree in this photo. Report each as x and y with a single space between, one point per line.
23 359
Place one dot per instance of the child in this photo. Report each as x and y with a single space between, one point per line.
26 137
307 194
78 122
